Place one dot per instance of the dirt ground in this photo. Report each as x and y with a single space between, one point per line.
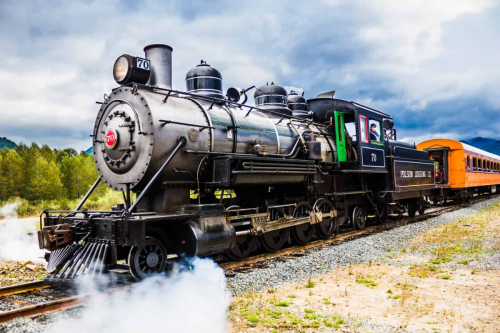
459 300
435 284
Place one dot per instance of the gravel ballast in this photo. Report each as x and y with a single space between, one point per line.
372 248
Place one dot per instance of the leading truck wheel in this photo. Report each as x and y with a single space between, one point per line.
359 218
328 225
302 233
147 260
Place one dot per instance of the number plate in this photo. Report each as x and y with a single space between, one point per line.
143 64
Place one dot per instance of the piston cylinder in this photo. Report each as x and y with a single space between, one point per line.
207 235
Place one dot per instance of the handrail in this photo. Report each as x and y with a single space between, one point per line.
181 143
154 89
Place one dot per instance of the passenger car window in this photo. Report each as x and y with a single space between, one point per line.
375 131
363 130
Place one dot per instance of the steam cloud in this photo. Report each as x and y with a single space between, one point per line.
186 301
18 240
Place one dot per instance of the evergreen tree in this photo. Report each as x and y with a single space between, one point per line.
35 173
11 174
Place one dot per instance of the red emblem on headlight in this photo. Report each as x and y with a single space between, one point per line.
111 138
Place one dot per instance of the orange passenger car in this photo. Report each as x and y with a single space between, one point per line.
465 167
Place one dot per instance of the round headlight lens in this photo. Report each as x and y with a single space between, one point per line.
121 69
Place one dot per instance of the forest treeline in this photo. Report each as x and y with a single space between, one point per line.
43 178
39 173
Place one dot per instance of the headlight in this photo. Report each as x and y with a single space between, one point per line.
121 69
130 69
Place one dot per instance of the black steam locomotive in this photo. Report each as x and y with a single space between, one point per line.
294 169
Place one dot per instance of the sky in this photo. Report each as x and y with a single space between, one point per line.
432 65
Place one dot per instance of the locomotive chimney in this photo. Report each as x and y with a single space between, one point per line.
160 56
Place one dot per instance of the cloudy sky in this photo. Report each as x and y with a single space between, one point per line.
433 65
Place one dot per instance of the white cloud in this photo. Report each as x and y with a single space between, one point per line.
403 55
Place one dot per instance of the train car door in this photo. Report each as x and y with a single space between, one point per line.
340 136
371 140
440 157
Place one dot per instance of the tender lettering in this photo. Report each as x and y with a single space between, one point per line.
406 173
416 174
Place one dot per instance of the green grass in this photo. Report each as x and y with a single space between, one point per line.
253 319
367 283
284 304
336 323
314 324
310 284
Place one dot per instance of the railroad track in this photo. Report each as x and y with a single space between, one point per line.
35 310
247 264
23 288
64 303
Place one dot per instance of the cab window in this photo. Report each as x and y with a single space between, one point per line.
375 131
363 130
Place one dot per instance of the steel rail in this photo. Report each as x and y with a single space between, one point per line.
36 310
23 288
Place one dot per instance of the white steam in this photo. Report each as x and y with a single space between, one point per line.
186 301
18 240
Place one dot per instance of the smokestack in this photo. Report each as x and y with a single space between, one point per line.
160 56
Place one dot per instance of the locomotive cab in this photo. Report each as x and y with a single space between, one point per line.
359 132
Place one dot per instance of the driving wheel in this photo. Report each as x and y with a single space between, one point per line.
147 260
274 240
328 225
302 233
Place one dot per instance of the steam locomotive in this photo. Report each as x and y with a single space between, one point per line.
295 169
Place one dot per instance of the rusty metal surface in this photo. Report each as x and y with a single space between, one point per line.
23 288
59 304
